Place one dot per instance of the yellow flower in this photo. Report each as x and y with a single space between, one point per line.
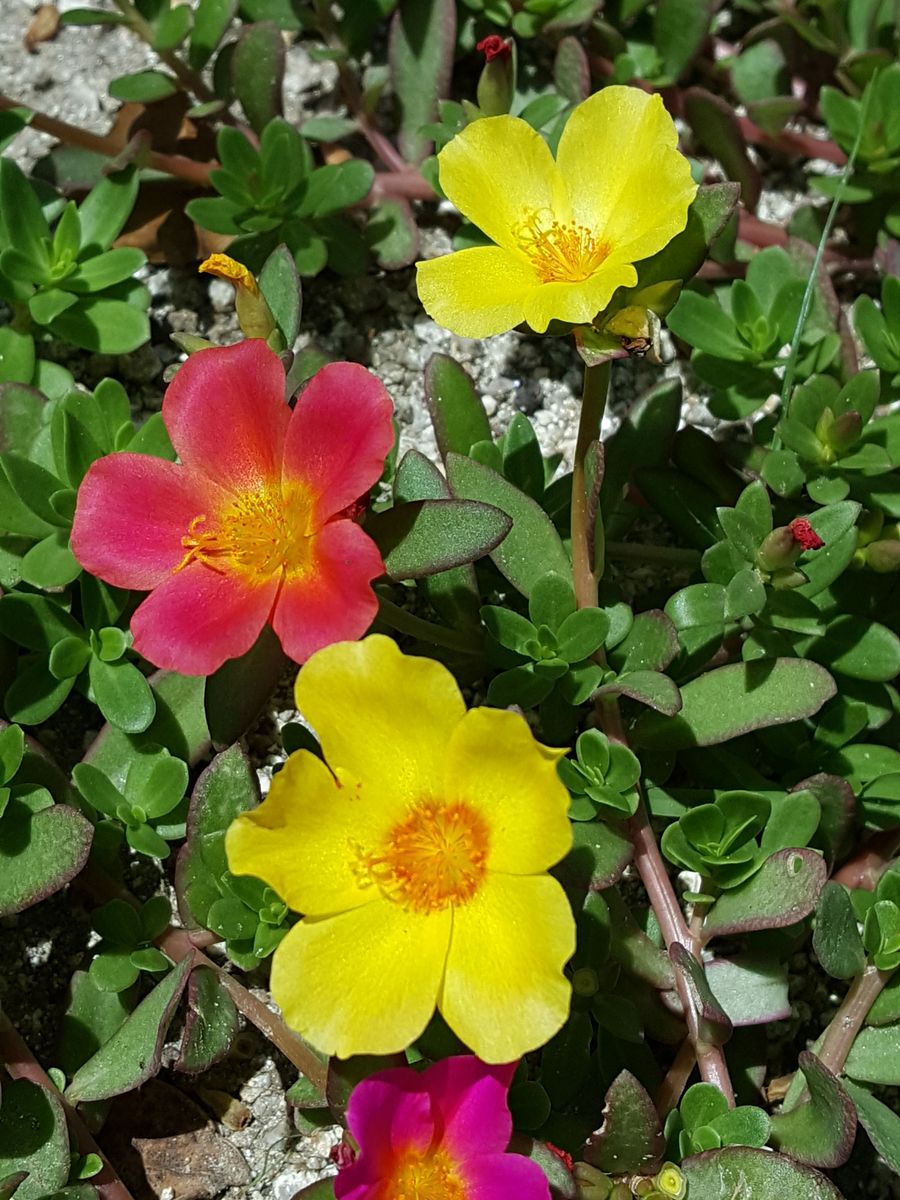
418 860
568 231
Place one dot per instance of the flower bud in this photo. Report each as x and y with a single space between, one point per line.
883 556
591 1183
786 579
869 526
497 84
845 431
804 534
670 1181
253 314
779 549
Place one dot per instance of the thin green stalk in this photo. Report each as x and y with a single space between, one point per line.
426 631
790 369
144 30
676 556
585 575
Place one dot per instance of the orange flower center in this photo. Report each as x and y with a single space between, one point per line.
560 252
428 1177
255 535
433 858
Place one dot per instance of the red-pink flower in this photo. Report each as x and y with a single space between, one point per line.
438 1133
251 526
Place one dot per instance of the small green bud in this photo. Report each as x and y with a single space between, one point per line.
592 1184
845 431
497 84
671 1182
869 526
786 579
779 549
883 556
585 981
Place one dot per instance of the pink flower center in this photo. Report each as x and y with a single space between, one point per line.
423 1177
560 252
433 858
256 535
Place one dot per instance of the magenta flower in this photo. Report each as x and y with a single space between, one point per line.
253 525
439 1134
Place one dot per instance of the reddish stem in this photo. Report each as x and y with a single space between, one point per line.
871 861
21 1064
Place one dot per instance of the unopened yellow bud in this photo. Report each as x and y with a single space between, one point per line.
231 271
253 314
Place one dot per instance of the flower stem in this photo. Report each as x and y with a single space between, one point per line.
586 573
21 1064
676 556
438 635
188 79
848 1020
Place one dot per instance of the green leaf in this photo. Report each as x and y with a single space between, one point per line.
22 217
783 891
599 855
16 355
703 323
113 971
171 29
91 1018
651 644
821 1131
237 693
145 840
328 129
688 506
143 87
642 440
106 269
122 694
40 852
631 1139
532 547
335 187
210 1025
211 20
679 29
718 131
880 1123
523 463
103 326
69 657
422 43
281 289
257 72
456 411
428 536
132 1054
12 749
875 1055
50 563
34 695
733 700
870 652
708 216
552 601
836 939
652 688
751 989
392 234
747 1173
581 634
33 1138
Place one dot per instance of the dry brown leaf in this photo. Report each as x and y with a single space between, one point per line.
196 1166
42 28
233 1113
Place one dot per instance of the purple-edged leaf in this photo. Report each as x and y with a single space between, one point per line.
716 127
454 406
651 644
237 693
226 788
652 688
744 1173
679 30
179 725
631 1137
210 1024
706 1018
257 71
834 836
132 1054
532 547
40 852
783 891
34 1137
875 1055
9 1183
836 939
559 1177
345 1073
752 991
730 701
597 860
685 254
821 1131
421 48
427 536
571 70
880 1123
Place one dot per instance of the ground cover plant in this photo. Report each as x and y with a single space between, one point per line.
594 763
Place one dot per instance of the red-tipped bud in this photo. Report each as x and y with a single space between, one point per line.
804 534
494 46
779 549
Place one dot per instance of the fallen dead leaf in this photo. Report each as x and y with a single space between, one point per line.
42 27
233 1113
196 1166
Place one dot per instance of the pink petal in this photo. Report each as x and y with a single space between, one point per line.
470 1100
226 414
388 1113
198 618
333 602
339 436
132 513
504 1177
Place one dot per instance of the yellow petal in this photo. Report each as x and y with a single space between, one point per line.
495 171
476 292
627 180
495 765
304 838
363 982
504 991
383 716
577 302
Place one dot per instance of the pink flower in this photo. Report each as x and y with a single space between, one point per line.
439 1134
494 46
251 526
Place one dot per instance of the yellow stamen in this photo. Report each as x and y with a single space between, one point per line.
435 857
560 252
423 1177
256 535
